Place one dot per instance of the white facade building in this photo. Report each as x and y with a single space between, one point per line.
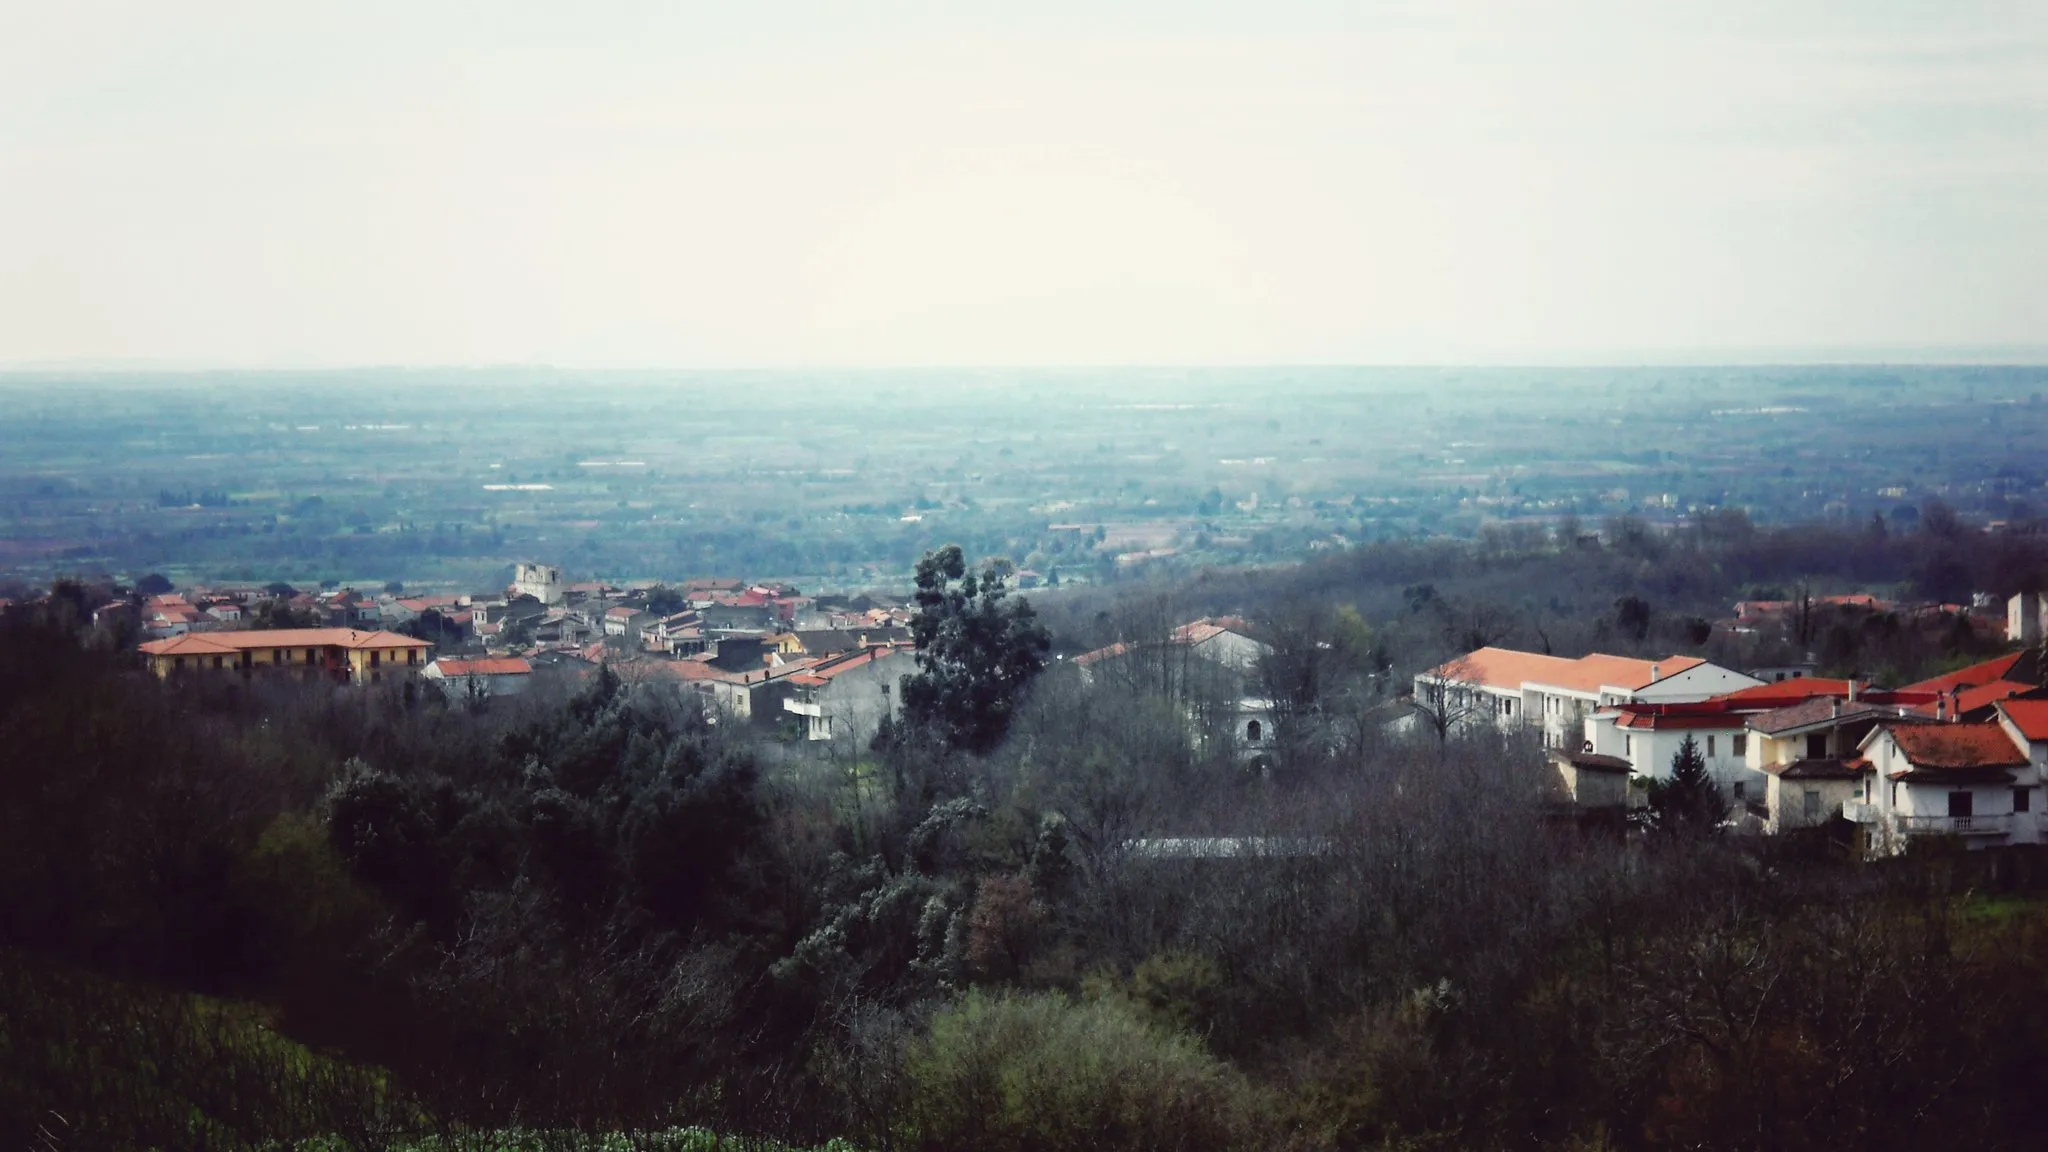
1563 697
543 582
1978 782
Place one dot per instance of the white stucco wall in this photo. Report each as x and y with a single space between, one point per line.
1700 682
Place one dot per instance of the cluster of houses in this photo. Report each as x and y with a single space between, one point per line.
1959 755
757 653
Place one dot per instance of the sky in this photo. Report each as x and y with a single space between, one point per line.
872 183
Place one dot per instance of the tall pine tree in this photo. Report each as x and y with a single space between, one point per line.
1689 803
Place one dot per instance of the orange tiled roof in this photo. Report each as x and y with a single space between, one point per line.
1970 699
484 666
1981 745
237 641
2029 716
1507 669
1976 675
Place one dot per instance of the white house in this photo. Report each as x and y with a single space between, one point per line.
1977 782
1560 695
491 675
1649 737
1216 658
847 697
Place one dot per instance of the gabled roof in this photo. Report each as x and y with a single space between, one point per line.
1822 768
825 670
1974 676
2029 716
1100 654
1210 627
1957 746
238 641
1971 698
1818 711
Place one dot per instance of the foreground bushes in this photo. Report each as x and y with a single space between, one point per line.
1042 1071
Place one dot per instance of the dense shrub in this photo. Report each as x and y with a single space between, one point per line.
1042 1071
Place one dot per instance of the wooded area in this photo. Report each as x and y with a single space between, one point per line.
250 913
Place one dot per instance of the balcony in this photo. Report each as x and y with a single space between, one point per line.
1955 825
1860 812
803 707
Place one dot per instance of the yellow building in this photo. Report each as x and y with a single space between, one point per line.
347 655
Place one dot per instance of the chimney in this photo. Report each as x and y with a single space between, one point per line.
1656 673
1955 711
1940 707
1834 709
1852 691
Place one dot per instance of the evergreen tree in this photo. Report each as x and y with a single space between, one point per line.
1690 801
977 648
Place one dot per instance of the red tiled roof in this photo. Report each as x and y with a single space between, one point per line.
1638 719
2029 716
1975 675
1981 745
1981 696
1783 693
1100 654
826 669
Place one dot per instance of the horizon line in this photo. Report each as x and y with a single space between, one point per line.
1933 356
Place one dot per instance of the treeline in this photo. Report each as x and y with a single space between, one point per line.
1622 586
1048 913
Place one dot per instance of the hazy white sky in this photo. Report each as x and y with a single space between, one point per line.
864 182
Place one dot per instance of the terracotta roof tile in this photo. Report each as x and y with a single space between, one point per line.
2029 716
236 641
1973 676
483 666
1981 745
1505 668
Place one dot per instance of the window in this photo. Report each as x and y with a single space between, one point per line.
1629 746
1810 806
1816 745
177 661
1781 676
1738 744
2023 799
1962 804
375 657
1251 732
216 661
1710 745
310 656
1740 790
